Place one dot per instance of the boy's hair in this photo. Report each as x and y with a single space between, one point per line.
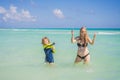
44 39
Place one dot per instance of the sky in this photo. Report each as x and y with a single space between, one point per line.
59 13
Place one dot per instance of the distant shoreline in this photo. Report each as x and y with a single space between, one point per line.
67 28
79 28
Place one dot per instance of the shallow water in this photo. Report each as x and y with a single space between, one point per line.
22 56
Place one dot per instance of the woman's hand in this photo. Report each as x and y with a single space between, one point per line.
94 38
94 35
72 32
72 38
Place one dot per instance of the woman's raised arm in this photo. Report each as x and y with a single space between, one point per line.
93 40
73 40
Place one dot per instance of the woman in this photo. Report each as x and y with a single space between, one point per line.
82 42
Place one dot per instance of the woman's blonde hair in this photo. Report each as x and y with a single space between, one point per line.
85 35
44 39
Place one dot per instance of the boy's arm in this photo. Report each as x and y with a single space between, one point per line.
53 49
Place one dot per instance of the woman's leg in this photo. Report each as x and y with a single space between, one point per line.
87 59
77 60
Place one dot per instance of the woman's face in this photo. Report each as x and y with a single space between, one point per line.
46 41
83 31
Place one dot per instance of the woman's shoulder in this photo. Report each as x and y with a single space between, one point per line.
77 37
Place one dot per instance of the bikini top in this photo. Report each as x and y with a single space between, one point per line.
81 45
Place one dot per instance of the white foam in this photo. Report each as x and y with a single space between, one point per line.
108 33
19 29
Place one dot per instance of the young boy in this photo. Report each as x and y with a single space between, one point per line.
49 49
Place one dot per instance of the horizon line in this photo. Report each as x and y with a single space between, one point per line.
69 28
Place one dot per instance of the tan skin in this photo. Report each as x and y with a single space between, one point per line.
82 51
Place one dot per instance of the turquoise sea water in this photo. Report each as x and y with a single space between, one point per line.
22 56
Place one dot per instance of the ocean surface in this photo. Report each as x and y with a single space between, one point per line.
22 55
